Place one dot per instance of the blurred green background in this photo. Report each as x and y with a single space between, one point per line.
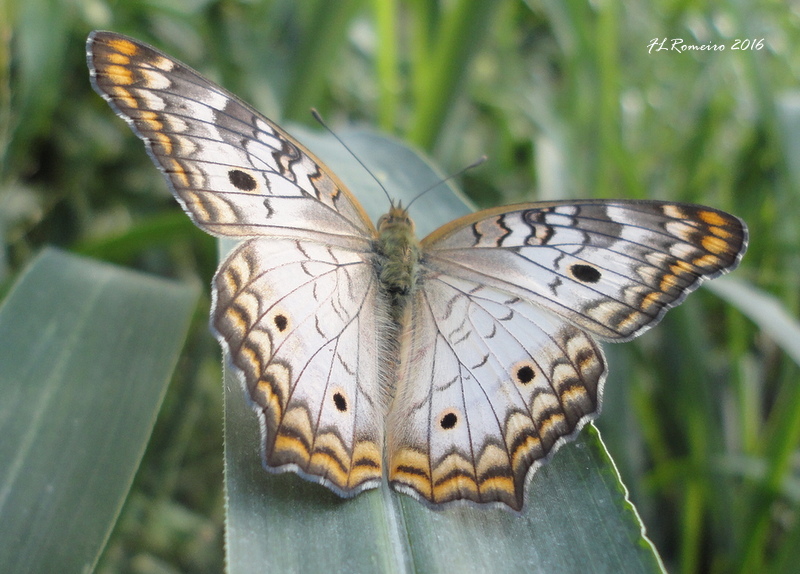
702 414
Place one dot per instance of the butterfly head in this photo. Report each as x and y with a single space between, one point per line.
396 220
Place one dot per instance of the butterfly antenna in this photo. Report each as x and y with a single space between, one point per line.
475 163
321 122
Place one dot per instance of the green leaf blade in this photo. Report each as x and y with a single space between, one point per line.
86 350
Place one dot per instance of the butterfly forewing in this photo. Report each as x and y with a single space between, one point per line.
610 267
235 172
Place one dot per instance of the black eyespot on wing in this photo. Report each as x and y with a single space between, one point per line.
525 374
241 180
340 402
281 322
448 421
585 273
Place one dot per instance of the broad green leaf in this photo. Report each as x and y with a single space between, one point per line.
577 513
86 352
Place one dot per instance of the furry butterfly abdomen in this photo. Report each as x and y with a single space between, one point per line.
454 365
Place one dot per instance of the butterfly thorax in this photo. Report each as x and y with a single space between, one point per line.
398 250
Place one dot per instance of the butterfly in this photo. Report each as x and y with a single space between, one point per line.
455 365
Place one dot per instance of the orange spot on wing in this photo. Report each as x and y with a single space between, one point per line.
720 232
650 300
499 483
707 260
455 487
331 466
714 245
235 316
164 141
575 393
411 467
631 319
711 218
267 398
152 120
177 170
286 443
550 422
519 456
231 281
420 483
681 267
366 454
117 58
124 46
366 464
123 96
119 74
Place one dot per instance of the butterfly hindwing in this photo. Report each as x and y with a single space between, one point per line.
489 386
235 172
301 322
610 267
